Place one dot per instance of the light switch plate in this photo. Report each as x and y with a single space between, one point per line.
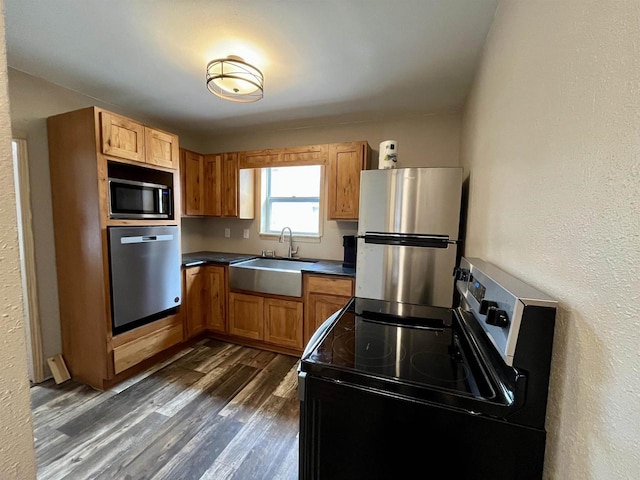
245 233
227 233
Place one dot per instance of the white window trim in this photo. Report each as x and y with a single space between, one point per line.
297 237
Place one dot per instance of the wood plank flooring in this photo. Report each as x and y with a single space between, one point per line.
213 411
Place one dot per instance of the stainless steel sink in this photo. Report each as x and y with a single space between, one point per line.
269 275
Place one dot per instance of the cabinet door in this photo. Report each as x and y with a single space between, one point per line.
122 137
194 294
346 161
192 173
283 322
309 155
230 185
215 298
319 307
212 185
161 148
246 316
260 158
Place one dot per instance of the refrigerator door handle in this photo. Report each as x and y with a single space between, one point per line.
408 239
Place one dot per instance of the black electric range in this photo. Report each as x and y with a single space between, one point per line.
394 390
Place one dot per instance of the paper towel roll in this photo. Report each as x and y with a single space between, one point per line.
388 154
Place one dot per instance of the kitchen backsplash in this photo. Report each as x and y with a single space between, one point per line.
200 234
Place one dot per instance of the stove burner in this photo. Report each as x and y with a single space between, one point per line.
439 366
367 350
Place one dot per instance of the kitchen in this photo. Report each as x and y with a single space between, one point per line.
545 151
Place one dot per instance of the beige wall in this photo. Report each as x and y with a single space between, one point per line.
425 140
17 458
551 140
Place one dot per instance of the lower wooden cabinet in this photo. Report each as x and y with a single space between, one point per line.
271 320
205 299
215 298
133 347
246 316
283 322
323 295
195 321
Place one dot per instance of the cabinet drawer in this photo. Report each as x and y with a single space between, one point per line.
330 285
134 351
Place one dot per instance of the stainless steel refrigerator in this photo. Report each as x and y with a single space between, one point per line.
408 234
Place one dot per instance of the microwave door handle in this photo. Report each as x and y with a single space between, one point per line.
160 203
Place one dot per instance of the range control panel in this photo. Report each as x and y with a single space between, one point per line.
497 300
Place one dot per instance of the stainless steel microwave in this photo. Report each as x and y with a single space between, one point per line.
131 199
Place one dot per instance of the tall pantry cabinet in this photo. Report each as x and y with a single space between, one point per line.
85 147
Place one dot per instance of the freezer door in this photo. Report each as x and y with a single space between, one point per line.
411 200
419 275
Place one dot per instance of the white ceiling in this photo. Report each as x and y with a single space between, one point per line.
340 60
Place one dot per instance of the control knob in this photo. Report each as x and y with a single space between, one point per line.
497 317
461 274
486 305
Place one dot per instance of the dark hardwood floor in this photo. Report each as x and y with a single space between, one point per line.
213 411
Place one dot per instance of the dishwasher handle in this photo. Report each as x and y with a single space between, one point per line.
146 239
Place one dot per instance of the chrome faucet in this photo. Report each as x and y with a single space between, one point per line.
291 251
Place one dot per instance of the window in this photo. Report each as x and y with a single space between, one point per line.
291 198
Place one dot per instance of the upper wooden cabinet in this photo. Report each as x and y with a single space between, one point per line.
259 158
230 189
214 186
222 184
131 140
122 137
309 155
346 161
192 173
280 157
161 148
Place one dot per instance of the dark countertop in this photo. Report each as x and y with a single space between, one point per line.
326 267
199 258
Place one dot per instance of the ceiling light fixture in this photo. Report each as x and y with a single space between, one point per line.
234 79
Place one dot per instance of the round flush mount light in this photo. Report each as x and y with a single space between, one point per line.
234 79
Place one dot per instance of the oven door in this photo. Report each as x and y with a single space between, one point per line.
348 431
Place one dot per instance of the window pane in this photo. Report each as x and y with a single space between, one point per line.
301 217
295 181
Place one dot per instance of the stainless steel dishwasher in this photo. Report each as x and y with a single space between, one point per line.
144 264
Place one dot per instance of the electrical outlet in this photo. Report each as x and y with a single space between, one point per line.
245 233
227 233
